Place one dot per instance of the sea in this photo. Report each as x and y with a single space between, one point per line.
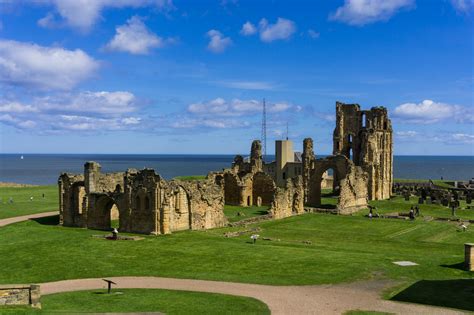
44 169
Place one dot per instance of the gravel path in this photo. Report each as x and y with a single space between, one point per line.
318 299
8 221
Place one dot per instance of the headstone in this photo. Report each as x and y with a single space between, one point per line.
259 201
469 256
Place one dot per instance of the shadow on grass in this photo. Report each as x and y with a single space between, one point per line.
51 220
447 293
327 206
460 266
262 212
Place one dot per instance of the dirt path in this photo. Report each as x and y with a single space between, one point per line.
318 299
8 221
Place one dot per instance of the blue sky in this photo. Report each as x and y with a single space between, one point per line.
162 76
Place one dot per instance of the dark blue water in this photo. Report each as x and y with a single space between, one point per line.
43 169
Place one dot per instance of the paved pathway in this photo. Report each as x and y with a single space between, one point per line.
318 299
8 221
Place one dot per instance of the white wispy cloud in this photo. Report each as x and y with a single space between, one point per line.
83 14
313 34
429 112
281 30
361 12
83 111
463 6
248 29
406 134
217 42
134 37
43 67
236 107
246 85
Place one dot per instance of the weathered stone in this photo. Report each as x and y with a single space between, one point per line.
20 294
469 256
142 201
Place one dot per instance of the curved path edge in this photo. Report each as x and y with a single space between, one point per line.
26 217
317 299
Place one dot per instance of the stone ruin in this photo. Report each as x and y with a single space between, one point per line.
362 166
141 201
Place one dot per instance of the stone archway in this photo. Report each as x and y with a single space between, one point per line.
104 214
339 165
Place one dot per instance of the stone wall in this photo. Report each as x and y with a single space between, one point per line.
142 202
288 200
20 294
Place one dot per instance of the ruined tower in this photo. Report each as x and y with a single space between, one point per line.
365 137
256 155
308 161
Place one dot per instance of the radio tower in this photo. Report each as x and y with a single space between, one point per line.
264 130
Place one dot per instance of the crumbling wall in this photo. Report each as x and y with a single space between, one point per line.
206 202
263 189
142 201
72 200
353 190
288 200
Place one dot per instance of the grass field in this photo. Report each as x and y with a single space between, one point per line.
21 200
342 249
231 212
143 300
306 249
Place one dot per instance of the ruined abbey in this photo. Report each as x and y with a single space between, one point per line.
143 202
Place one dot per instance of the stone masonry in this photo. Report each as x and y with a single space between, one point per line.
141 201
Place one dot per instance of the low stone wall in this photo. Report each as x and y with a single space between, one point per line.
20 294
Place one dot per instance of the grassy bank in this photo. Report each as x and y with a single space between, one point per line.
143 300
22 202
191 177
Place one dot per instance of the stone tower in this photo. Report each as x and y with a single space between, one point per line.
308 163
365 137
256 156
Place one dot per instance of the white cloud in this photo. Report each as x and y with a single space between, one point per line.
248 29
236 107
463 6
428 112
84 111
361 12
48 21
463 138
217 42
134 37
43 67
246 85
16 107
406 134
99 103
83 14
213 123
282 29
313 34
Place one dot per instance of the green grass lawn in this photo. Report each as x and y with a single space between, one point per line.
22 204
342 248
191 177
249 212
143 300
398 204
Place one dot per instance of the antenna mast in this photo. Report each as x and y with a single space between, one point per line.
287 130
264 130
